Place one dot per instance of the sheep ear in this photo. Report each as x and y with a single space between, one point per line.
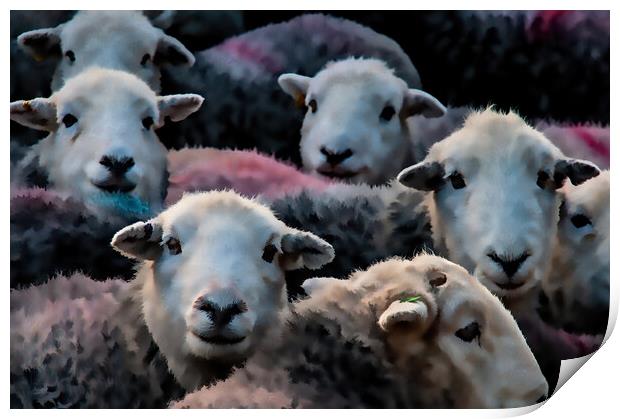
415 314
418 102
38 114
578 171
171 51
295 86
177 107
141 240
301 249
312 285
424 176
41 43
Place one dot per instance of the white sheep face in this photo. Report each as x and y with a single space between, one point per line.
354 128
102 138
494 206
578 285
215 287
120 40
452 338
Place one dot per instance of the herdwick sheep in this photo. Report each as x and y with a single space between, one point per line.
120 40
576 292
212 282
355 126
418 333
77 343
247 109
247 172
52 234
101 138
496 180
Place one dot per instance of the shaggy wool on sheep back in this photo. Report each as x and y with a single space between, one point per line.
364 225
246 108
78 343
51 234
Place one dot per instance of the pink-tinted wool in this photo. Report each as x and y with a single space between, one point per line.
246 172
587 142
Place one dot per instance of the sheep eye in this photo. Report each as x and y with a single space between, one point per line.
269 252
145 59
469 332
437 279
70 55
69 120
543 179
174 246
387 113
458 182
313 106
147 122
580 220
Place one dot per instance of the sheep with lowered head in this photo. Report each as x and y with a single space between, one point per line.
212 283
576 291
355 126
101 144
120 40
419 333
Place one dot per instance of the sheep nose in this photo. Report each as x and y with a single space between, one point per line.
336 157
510 265
117 166
220 316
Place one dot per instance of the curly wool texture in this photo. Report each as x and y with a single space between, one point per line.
364 225
246 108
248 173
78 343
316 367
51 234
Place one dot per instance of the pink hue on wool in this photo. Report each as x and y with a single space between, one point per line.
246 172
587 142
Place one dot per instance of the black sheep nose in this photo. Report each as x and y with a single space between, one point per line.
336 157
220 316
117 166
509 265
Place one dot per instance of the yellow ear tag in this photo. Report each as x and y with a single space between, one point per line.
26 105
300 100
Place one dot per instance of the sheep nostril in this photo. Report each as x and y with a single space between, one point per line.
117 166
509 264
336 157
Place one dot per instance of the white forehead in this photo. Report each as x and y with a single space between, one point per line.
220 212
491 139
368 77
103 86
92 26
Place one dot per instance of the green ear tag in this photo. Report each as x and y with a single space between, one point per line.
413 299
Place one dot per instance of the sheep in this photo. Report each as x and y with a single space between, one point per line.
121 40
417 333
576 292
248 110
101 141
355 125
495 180
212 279
249 173
77 343
51 234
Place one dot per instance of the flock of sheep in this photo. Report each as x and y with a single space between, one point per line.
420 256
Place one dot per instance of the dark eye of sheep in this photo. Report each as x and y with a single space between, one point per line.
69 120
174 246
387 113
70 55
469 332
580 220
147 122
437 279
458 182
543 179
145 59
269 252
313 106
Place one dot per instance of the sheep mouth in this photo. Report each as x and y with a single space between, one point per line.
337 173
219 339
114 186
510 285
